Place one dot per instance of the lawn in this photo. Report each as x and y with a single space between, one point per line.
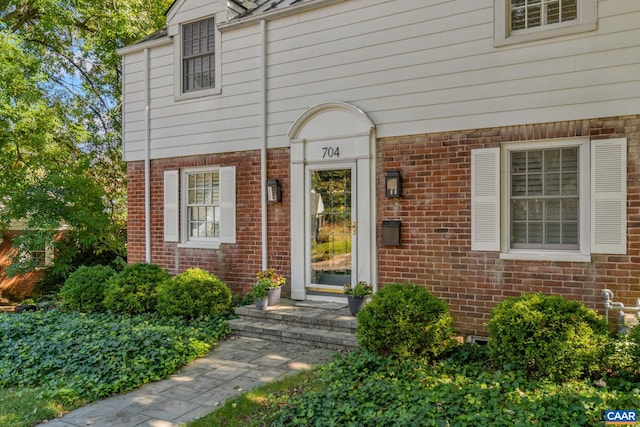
54 361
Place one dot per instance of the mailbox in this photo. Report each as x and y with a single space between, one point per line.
391 232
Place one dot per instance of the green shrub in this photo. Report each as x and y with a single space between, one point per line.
547 336
405 319
628 354
192 294
135 289
84 289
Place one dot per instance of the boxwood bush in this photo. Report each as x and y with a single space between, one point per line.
192 294
83 290
135 289
404 320
547 337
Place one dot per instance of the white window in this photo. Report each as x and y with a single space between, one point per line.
544 197
529 14
518 21
551 200
201 211
38 258
198 55
202 204
197 50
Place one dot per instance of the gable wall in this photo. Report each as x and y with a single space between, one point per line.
188 10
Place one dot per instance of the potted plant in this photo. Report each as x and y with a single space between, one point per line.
259 292
356 295
273 283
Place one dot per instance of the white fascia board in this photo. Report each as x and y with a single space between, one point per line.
276 13
144 45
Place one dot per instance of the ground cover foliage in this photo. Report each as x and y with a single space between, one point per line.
365 389
69 358
558 364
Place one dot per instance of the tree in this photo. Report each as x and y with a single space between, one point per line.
60 120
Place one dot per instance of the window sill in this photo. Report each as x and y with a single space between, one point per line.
200 245
546 256
197 94
541 34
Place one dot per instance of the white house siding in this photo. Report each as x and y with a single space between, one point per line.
133 122
189 10
427 66
220 123
414 66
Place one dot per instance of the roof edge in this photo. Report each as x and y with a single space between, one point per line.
145 44
277 13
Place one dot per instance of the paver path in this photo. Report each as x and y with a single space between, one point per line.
234 366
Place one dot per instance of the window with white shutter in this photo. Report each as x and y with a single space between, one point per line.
201 211
555 200
171 206
485 199
609 196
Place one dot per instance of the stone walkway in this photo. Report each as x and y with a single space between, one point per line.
234 366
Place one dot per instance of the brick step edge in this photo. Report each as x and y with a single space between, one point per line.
321 338
347 325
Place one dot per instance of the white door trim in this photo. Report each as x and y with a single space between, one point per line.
329 134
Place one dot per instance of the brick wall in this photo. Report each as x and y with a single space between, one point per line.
436 212
238 263
18 287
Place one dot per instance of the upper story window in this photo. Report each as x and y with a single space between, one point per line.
527 14
198 55
518 21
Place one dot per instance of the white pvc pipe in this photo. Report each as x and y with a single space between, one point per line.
263 148
147 161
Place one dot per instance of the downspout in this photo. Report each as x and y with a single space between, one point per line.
263 131
147 162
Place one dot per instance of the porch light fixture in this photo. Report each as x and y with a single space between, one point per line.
274 191
393 184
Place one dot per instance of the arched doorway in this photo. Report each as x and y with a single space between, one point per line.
332 201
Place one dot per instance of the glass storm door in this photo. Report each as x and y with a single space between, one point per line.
331 229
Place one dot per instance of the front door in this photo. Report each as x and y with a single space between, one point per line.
331 228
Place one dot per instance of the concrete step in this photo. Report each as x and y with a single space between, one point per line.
323 325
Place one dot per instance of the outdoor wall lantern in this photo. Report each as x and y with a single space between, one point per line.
274 191
393 184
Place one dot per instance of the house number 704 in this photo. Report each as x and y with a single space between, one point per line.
330 152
